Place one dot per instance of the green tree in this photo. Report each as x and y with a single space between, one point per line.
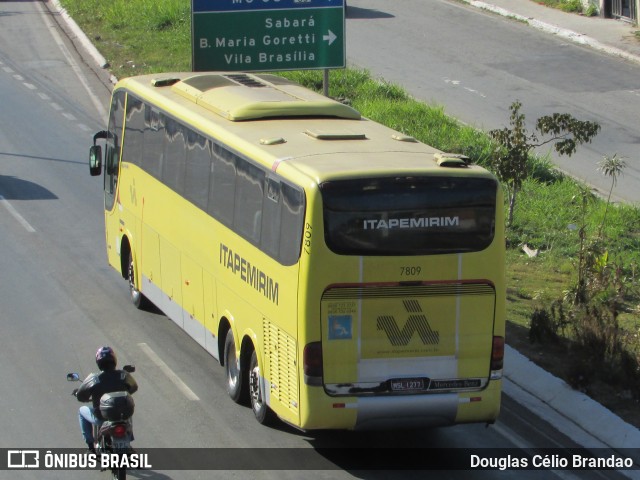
514 143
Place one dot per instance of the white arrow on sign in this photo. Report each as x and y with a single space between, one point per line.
330 38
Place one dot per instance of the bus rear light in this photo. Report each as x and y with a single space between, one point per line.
312 363
339 405
497 353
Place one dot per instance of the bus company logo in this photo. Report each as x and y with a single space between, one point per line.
416 322
23 459
421 222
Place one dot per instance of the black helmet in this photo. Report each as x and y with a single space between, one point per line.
106 358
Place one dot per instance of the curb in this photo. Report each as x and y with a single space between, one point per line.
80 35
561 32
584 420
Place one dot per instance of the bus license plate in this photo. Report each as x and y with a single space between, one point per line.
406 384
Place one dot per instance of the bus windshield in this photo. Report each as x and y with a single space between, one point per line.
409 215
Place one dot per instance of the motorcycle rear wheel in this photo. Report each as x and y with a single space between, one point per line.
119 473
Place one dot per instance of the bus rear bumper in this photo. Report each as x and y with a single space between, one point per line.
391 412
410 411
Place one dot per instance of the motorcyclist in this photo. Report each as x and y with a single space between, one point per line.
95 385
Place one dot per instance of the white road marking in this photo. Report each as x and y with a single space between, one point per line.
458 83
519 442
16 215
186 391
53 28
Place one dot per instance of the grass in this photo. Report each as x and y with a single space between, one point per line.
137 36
391 105
573 6
144 36
564 5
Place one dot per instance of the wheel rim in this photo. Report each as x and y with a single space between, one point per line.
135 293
254 388
232 367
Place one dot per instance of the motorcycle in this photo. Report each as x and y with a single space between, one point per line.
115 434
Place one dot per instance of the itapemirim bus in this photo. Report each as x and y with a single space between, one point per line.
345 275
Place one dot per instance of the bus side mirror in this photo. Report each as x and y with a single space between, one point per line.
95 160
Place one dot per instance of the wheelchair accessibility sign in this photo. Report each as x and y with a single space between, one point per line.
340 327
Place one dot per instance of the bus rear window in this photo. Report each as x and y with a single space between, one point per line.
409 215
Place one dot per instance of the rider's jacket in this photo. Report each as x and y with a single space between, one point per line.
97 384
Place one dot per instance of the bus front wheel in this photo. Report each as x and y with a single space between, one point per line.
137 298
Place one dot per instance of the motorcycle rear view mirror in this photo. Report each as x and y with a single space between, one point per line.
73 377
129 368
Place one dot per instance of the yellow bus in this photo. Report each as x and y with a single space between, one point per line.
345 275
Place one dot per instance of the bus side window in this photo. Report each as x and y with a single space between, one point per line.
134 131
248 203
271 217
112 149
153 153
196 183
112 164
222 185
175 153
292 223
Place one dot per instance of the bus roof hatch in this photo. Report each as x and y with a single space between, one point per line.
239 97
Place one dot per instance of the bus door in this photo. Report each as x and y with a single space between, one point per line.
112 155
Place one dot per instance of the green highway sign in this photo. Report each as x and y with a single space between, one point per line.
264 35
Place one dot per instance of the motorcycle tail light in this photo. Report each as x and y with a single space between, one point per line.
119 431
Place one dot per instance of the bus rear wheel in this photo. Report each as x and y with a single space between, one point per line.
261 410
236 378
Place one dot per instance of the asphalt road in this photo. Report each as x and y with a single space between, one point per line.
60 301
475 64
